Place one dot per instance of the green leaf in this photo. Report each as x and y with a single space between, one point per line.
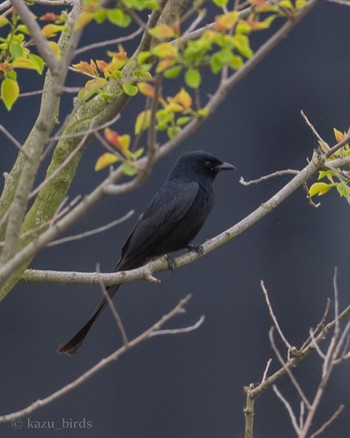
117 17
215 63
220 3
22 28
172 131
128 169
163 117
25 63
183 120
100 15
319 188
193 78
39 62
236 62
142 121
343 190
241 42
9 92
3 21
129 89
162 32
105 160
300 4
140 5
172 72
16 50
203 112
165 50
143 56
196 50
287 4
137 154
243 27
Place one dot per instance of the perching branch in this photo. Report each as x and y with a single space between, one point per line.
160 264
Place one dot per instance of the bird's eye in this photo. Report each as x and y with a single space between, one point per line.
207 164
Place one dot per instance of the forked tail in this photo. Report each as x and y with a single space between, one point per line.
74 343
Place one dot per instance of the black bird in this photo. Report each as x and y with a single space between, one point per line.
171 221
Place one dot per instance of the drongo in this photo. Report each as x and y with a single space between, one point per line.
172 220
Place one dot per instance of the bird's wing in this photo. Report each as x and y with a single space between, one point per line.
167 208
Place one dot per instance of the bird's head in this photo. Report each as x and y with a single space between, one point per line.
202 163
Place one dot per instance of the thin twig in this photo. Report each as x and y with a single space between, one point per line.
328 422
91 130
273 317
311 126
188 329
14 141
178 309
288 370
315 345
288 407
109 42
93 231
266 370
319 326
269 176
114 311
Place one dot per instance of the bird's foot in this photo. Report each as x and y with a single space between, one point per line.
197 248
171 262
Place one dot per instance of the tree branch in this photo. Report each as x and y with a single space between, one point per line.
160 264
226 85
155 328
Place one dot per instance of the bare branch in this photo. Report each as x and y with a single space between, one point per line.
316 346
328 422
114 41
266 370
273 316
114 311
319 326
336 301
91 130
53 2
159 264
94 231
14 141
338 146
311 126
288 370
180 308
188 329
269 176
288 407
340 2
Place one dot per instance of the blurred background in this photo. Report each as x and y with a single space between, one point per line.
191 385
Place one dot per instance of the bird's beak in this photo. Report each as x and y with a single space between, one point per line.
225 166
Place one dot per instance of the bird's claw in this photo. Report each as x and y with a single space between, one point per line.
171 262
197 248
